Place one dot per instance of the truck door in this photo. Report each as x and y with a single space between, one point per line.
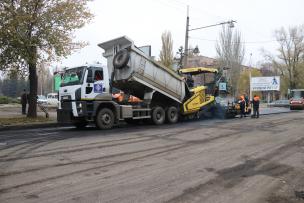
94 84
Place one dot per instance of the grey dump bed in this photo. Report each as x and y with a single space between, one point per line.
141 74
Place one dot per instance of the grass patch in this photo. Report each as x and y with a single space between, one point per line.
8 100
24 121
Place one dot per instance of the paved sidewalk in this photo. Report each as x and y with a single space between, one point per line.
274 110
12 118
14 110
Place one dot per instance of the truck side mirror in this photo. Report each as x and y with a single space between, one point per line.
90 77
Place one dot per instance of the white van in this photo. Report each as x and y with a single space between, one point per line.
52 99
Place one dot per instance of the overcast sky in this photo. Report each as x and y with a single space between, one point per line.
145 20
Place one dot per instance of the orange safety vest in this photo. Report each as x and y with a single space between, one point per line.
257 98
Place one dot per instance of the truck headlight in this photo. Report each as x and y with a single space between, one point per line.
78 105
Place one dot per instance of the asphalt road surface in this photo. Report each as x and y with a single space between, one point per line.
238 161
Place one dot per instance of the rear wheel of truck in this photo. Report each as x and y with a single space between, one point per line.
172 114
158 115
104 119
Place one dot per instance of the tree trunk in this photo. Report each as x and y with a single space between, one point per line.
32 110
290 79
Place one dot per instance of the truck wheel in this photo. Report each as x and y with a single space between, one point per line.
104 119
121 58
158 115
172 114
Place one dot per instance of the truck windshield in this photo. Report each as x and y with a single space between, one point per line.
73 76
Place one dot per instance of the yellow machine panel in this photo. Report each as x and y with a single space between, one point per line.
197 100
198 70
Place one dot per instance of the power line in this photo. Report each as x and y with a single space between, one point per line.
180 2
198 9
179 5
252 42
167 4
244 42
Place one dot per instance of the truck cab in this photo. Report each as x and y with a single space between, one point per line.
79 88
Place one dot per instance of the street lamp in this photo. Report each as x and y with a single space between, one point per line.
230 23
196 50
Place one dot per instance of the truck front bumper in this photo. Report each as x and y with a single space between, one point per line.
72 111
297 106
64 116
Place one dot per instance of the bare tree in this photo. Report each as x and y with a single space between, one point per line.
166 54
230 55
290 59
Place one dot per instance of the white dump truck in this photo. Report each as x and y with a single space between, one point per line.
86 92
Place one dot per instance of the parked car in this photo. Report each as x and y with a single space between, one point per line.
297 99
52 99
41 99
280 103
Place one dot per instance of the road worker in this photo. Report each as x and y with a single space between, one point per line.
247 104
242 103
256 105
24 101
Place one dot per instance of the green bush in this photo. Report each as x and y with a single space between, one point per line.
8 100
14 100
4 100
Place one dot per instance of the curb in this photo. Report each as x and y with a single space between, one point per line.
31 126
293 111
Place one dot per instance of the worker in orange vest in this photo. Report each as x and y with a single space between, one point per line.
242 103
256 106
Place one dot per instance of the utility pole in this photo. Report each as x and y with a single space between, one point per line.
186 51
250 88
186 40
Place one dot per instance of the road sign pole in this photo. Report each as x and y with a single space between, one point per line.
250 90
